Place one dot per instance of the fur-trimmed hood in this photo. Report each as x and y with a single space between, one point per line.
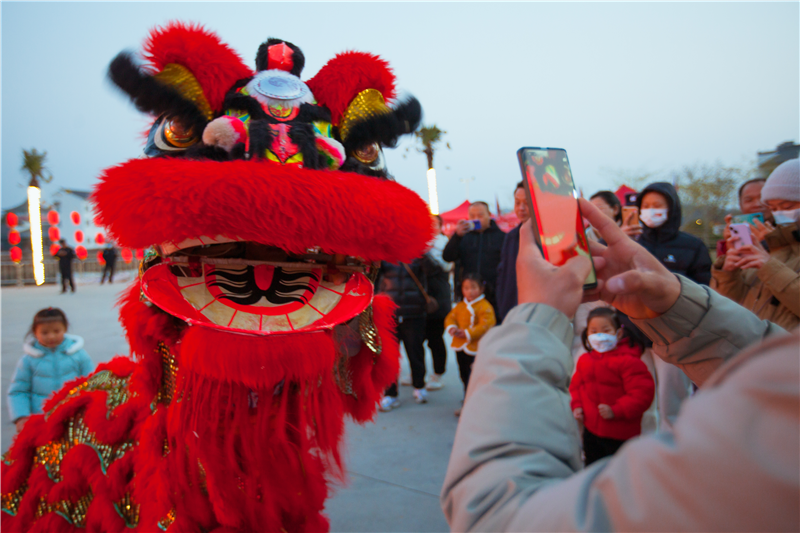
71 344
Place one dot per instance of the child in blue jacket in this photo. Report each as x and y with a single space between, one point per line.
52 358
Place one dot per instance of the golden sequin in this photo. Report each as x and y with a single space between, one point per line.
128 510
169 374
369 333
182 80
167 521
11 500
51 454
343 376
115 387
74 513
367 104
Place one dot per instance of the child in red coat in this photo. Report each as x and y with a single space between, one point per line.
611 388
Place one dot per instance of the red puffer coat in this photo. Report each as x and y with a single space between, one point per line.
617 378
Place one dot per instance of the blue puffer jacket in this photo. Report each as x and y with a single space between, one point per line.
42 371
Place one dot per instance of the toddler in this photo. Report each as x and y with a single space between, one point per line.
52 357
611 388
467 322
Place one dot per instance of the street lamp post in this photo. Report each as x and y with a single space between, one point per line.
35 216
433 195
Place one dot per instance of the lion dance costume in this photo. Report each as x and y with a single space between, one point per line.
264 207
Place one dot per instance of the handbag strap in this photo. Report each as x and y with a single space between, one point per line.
419 285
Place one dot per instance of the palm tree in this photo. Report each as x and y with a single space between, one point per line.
428 137
33 164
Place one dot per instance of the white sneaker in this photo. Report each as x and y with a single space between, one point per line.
435 382
420 396
388 403
405 381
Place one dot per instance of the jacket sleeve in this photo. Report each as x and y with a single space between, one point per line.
729 284
452 250
703 330
639 390
84 363
575 385
485 321
19 392
516 456
783 282
700 269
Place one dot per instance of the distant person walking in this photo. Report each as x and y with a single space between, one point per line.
110 257
65 256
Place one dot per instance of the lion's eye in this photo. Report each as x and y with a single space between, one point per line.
168 136
367 154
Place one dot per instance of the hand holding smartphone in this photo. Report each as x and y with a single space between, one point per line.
552 200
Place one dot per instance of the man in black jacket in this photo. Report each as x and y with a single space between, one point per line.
65 256
476 250
507 270
110 257
396 282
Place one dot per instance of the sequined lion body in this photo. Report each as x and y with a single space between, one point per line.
265 206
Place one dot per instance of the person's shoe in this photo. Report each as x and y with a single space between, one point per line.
420 396
405 381
388 403
435 382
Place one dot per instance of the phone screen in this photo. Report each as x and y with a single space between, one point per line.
553 202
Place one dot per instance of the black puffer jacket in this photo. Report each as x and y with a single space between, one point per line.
394 281
476 252
680 252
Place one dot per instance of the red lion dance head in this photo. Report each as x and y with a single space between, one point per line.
264 205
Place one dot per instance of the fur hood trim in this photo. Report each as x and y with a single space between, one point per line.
71 344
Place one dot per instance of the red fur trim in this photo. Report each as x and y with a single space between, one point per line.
153 201
371 374
214 64
257 361
346 75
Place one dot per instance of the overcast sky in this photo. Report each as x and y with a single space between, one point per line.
631 87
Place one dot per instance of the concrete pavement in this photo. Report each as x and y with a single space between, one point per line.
395 466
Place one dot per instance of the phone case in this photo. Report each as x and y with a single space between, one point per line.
743 232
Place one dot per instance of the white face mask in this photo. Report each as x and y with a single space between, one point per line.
653 218
602 342
786 217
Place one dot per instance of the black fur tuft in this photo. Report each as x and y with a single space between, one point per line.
262 57
151 96
386 129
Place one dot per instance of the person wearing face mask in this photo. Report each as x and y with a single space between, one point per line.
681 253
768 282
611 388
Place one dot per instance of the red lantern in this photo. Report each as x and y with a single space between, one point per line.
76 217
54 248
12 219
54 233
100 258
16 254
52 217
81 252
14 238
79 236
126 255
140 254
99 238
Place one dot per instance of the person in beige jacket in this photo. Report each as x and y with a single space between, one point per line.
732 461
768 283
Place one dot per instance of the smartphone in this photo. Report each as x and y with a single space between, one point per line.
630 198
630 215
748 219
553 201
474 225
743 232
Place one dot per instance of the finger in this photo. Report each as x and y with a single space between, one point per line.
626 283
599 262
578 266
606 227
596 248
527 242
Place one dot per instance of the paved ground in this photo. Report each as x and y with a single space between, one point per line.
396 465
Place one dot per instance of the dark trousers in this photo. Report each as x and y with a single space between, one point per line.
109 269
66 277
595 447
434 334
465 361
411 332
